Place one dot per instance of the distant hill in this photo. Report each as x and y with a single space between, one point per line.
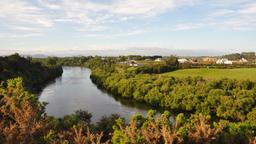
144 51
39 56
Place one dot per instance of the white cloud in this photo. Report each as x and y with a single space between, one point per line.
141 7
249 9
124 33
19 35
23 12
28 29
49 3
88 13
222 12
93 28
89 16
239 15
187 26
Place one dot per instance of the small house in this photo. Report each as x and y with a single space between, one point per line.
182 60
243 60
133 63
224 61
158 60
209 59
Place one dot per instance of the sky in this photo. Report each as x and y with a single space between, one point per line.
120 27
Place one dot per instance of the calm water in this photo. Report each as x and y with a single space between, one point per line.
74 90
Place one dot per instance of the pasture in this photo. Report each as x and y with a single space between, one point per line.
238 73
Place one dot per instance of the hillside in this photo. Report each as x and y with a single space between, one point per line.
35 75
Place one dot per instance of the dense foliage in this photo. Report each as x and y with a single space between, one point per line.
250 56
187 129
66 61
23 120
35 74
225 98
166 65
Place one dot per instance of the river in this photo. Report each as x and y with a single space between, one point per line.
74 90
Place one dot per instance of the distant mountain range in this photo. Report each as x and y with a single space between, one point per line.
129 51
38 56
138 51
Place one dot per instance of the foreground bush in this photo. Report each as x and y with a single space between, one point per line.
22 120
194 129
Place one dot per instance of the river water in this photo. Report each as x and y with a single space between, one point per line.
74 90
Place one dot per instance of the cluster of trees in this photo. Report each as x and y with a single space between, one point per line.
138 57
227 99
23 120
35 74
250 56
166 65
66 61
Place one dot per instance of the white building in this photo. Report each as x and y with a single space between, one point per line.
133 63
224 61
243 60
183 60
158 60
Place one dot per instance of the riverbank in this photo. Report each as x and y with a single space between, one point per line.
220 98
74 90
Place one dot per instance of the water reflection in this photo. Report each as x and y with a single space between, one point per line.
74 91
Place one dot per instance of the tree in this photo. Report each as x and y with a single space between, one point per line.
172 61
249 55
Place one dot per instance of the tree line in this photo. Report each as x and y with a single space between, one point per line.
34 74
225 98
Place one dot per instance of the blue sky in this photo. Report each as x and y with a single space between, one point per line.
79 27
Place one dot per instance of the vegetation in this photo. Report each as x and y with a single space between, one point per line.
35 74
219 110
250 56
222 99
67 61
151 67
23 120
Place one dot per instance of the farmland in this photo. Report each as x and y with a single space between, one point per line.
239 73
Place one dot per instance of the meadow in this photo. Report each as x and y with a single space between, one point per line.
238 73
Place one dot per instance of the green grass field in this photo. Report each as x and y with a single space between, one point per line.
239 73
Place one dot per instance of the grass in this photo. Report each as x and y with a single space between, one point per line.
239 73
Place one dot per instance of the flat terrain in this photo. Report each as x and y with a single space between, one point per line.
239 73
